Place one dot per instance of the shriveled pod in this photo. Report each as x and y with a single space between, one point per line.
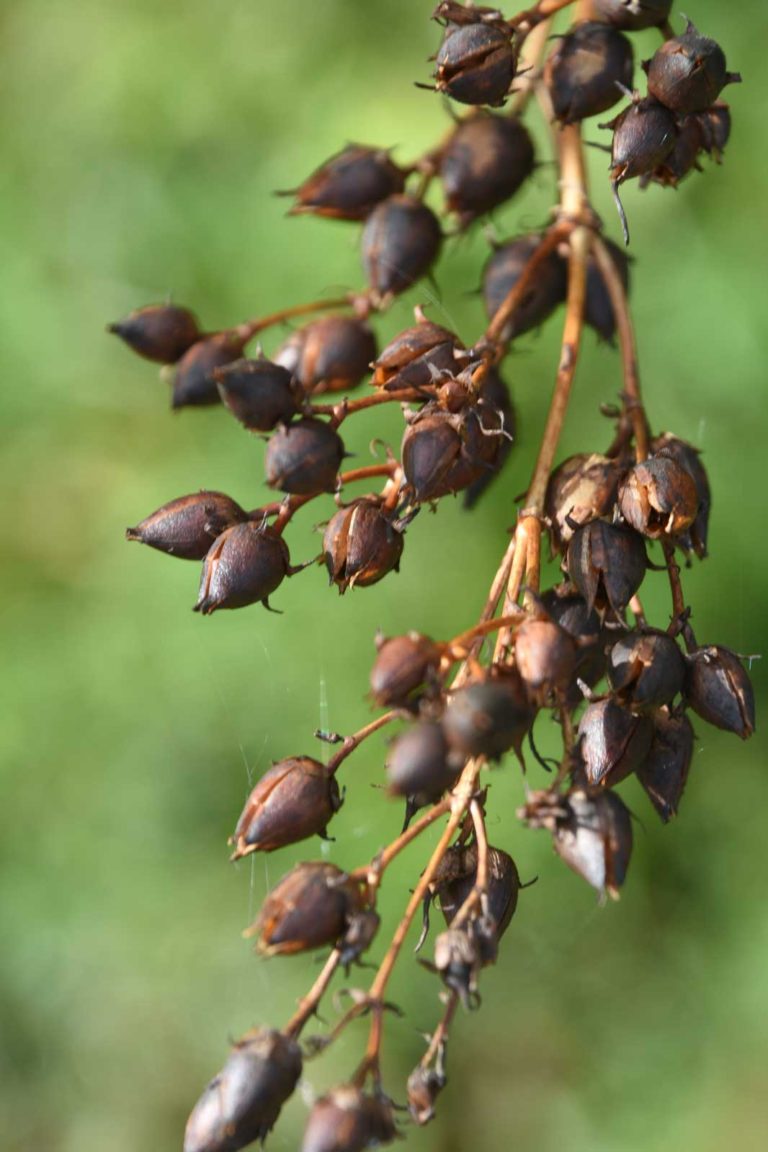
187 527
485 162
349 185
332 354
695 537
418 356
400 243
658 498
581 489
293 800
645 670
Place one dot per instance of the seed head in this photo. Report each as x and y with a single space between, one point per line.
293 800
304 457
485 162
332 354
187 527
400 243
242 1103
243 566
349 185
159 332
475 64
258 393
361 544
688 73
587 70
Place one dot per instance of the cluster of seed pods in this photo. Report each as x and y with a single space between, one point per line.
580 650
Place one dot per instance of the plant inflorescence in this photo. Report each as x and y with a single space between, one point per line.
581 650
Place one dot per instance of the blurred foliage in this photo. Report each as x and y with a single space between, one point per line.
141 145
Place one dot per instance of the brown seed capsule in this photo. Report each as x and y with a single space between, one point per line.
489 717
405 670
591 832
682 159
332 354
503 271
546 658
632 15
645 670
658 497
258 393
569 609
292 801
644 134
720 691
346 1120
444 452
361 545
688 457
494 394
607 563
485 162
159 332
304 458
417 356
194 383
598 310
613 742
715 130
310 907
460 869
349 185
400 243
243 566
580 489
459 959
664 773
475 63
242 1103
586 71
687 73
187 527
423 1087
420 765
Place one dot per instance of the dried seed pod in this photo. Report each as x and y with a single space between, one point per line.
494 393
485 162
645 670
644 134
632 15
349 185
417 356
688 73
459 869
664 772
503 271
715 130
569 609
420 765
451 12
243 566
598 310
658 497
546 658
258 393
405 670
682 159
361 545
444 452
346 1120
242 1103
194 382
613 742
332 354
586 71
580 489
475 64
595 839
158 332
187 527
607 563
423 1087
688 457
310 907
293 800
400 243
304 458
459 956
720 691
489 717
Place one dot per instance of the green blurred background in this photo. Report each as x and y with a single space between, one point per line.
141 143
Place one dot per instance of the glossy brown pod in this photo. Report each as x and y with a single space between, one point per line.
719 690
304 457
361 545
405 669
607 563
293 800
400 243
587 70
487 159
349 185
332 354
243 566
348 1120
687 73
545 293
158 332
664 773
258 393
194 382
475 63
310 907
187 527
613 742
